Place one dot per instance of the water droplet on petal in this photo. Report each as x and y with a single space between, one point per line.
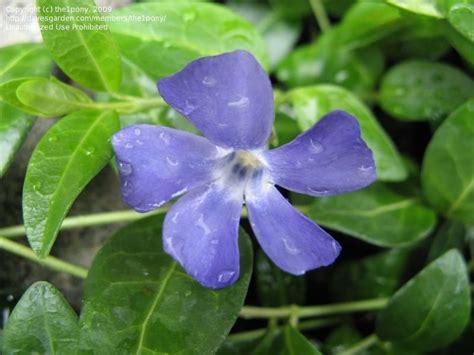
171 161
189 108
316 147
318 192
290 247
137 131
365 170
240 103
127 188
215 241
128 145
125 168
225 276
165 137
209 81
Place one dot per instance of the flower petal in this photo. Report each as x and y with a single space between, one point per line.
201 233
330 158
159 163
228 97
293 242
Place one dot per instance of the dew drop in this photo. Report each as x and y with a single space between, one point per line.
225 276
365 170
189 16
341 76
188 293
37 186
316 147
318 192
127 188
90 151
128 145
209 81
171 161
10 298
52 139
242 102
189 108
125 168
290 247
215 241
137 131
165 137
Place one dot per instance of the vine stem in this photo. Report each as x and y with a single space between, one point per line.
320 14
361 345
250 312
97 219
50 261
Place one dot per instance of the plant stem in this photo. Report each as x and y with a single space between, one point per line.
306 325
88 221
138 105
50 261
320 14
97 219
250 312
361 345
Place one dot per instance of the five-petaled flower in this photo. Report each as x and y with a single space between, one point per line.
229 98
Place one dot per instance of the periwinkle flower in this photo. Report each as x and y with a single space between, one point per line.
229 98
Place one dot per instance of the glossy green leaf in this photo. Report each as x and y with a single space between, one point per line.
421 90
311 103
83 48
376 215
287 341
325 61
430 310
26 59
460 14
280 34
68 156
276 287
191 30
373 276
448 171
14 126
138 300
41 323
422 7
451 235
51 97
8 95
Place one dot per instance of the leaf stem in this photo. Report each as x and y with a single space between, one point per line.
128 107
88 221
361 345
97 219
320 15
306 325
250 312
49 262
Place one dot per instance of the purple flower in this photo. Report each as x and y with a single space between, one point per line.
229 98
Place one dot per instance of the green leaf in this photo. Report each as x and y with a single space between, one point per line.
191 30
451 235
14 126
462 45
421 7
280 34
8 95
311 103
288 341
447 171
373 276
19 60
41 323
376 215
430 310
84 49
275 287
51 97
342 338
138 300
68 156
422 90
26 59
460 14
